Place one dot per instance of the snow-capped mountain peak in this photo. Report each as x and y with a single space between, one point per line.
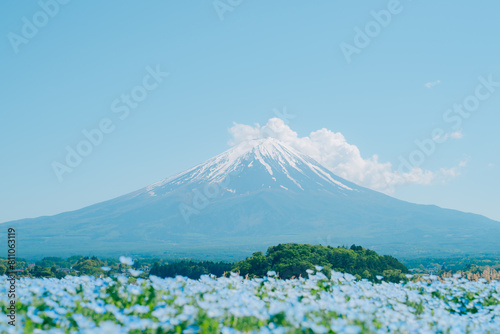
271 163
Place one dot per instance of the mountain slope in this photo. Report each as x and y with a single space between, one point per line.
254 195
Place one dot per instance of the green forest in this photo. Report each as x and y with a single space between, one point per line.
287 260
190 269
292 260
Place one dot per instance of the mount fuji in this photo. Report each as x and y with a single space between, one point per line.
256 194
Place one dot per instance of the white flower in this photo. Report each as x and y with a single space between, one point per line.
135 290
350 277
134 272
141 309
126 260
122 279
51 314
106 268
36 318
271 273
379 277
110 327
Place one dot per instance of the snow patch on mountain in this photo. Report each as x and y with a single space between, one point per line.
275 158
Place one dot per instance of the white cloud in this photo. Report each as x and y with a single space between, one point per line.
432 84
457 134
453 135
445 175
332 150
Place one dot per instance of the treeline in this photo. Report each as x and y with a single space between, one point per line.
4 265
462 264
190 269
75 265
293 260
287 260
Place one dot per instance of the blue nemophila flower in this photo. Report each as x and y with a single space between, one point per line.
338 303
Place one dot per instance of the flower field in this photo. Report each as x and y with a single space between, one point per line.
318 304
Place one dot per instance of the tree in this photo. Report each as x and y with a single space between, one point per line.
190 269
89 266
292 259
39 271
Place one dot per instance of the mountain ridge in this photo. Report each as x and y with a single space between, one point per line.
251 196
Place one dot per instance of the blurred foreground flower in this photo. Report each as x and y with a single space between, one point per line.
317 304
126 260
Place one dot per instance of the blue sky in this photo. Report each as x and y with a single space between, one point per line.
63 77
